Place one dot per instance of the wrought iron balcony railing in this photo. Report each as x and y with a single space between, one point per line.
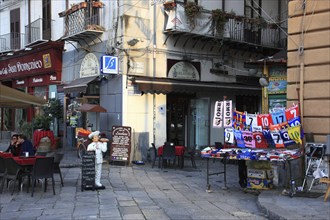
38 30
12 41
232 28
82 17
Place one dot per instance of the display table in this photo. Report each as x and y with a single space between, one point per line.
271 155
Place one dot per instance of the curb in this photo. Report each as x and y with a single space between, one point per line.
269 214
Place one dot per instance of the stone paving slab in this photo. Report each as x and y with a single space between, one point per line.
142 192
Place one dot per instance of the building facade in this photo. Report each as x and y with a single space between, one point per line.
309 64
175 59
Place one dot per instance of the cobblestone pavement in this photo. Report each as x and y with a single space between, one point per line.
142 192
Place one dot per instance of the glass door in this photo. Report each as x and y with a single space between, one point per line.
198 122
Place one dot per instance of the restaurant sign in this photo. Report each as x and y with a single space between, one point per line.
47 61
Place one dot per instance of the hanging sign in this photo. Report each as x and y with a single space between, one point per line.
227 114
218 114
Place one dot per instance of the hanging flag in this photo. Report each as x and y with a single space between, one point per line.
294 134
218 114
228 118
229 135
269 138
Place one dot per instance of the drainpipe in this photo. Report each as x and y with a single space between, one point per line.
301 93
223 5
154 74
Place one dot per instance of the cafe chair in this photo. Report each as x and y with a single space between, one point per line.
14 173
57 160
43 169
168 154
190 154
155 155
2 173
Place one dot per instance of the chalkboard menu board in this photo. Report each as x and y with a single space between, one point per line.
121 143
88 171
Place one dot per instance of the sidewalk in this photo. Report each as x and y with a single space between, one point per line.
140 192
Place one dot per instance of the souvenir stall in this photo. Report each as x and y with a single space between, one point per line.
260 138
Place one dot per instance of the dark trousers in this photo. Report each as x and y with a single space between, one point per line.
242 173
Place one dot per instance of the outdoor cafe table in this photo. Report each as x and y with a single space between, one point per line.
6 154
179 152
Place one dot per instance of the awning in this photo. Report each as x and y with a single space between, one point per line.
167 85
12 98
91 108
78 85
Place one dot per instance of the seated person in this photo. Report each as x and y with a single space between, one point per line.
14 147
26 145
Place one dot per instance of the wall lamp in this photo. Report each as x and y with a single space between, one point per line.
10 54
132 42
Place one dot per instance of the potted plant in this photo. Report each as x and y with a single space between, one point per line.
97 4
42 122
220 18
191 10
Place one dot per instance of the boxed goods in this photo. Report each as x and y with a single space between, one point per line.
255 183
261 174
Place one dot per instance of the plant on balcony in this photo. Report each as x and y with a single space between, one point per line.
192 10
97 4
169 5
220 18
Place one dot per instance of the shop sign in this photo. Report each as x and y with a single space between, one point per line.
90 66
45 61
183 70
37 80
109 64
20 83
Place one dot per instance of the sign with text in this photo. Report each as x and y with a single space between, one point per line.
109 64
121 143
88 170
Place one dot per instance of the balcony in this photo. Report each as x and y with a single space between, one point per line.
12 41
236 31
83 22
38 31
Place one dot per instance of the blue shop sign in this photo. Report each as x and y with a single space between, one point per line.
109 64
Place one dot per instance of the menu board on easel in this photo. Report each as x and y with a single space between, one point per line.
121 143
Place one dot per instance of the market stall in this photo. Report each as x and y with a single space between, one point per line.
275 137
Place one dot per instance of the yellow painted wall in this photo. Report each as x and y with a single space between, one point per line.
310 30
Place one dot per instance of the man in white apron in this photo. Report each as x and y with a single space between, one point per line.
98 145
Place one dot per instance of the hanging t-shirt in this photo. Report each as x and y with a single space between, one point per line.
239 138
269 138
260 140
239 120
292 112
277 138
250 121
229 135
296 122
286 139
278 116
264 120
248 139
